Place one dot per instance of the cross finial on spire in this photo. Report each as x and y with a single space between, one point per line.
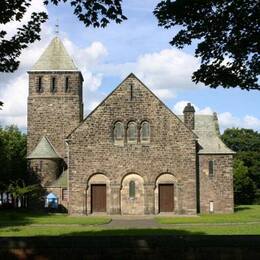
57 27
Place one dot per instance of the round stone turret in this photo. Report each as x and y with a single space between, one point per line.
45 162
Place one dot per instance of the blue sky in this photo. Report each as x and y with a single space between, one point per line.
138 45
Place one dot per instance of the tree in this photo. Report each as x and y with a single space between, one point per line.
97 13
244 187
246 144
227 36
242 140
19 190
13 155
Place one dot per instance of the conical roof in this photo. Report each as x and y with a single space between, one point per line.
55 57
44 150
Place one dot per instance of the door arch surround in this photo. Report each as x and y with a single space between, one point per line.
166 179
94 185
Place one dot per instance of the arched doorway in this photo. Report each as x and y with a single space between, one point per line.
132 195
165 193
98 191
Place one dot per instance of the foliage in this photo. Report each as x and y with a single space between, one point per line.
252 161
244 187
12 156
18 188
97 13
227 33
242 140
246 142
10 49
227 37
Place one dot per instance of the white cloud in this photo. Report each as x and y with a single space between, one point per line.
14 87
168 69
88 57
226 119
164 93
11 27
14 97
252 122
179 106
166 72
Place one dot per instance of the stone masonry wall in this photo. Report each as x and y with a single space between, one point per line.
54 115
46 169
219 187
171 150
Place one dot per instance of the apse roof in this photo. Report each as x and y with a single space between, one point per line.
44 150
61 182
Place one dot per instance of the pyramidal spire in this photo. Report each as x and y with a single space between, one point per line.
55 57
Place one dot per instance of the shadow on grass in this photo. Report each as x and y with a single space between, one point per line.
111 244
133 232
20 217
130 244
241 208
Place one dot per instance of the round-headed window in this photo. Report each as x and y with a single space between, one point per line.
118 132
145 132
132 132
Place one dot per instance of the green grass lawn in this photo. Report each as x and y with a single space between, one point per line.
12 218
97 231
245 221
243 214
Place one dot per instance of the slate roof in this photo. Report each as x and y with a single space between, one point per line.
55 57
44 150
61 182
207 129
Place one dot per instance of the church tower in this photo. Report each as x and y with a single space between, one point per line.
55 105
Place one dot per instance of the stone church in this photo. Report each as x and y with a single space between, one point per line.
131 155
